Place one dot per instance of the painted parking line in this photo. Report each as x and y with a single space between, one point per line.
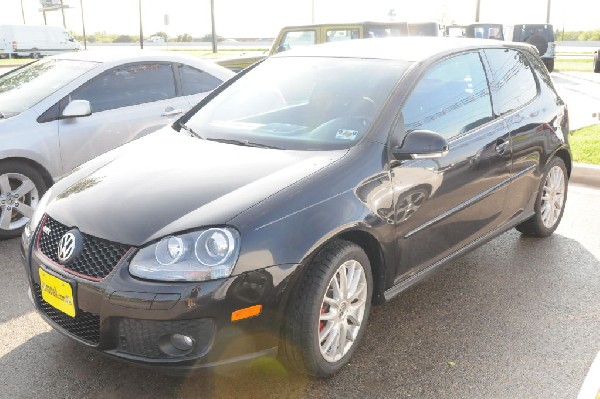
591 385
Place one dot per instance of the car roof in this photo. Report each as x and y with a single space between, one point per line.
369 23
121 56
411 49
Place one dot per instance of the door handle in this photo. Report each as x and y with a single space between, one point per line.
171 111
501 146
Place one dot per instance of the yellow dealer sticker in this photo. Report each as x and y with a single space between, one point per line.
57 293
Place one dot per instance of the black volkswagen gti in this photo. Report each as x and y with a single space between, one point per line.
269 219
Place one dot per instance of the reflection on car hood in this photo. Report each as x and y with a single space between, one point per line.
169 182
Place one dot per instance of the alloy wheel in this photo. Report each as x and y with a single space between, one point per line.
553 196
342 311
18 199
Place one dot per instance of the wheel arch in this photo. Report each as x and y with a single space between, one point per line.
372 247
43 171
566 157
374 252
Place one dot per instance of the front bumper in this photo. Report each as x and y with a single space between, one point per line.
135 320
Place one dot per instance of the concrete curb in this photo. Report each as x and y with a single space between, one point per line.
584 174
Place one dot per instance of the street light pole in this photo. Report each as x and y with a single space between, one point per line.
548 12
478 9
141 29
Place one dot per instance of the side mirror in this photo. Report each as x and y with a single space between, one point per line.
77 108
421 144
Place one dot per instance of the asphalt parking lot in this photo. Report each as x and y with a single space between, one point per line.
516 318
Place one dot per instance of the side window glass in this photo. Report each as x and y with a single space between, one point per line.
128 85
297 39
338 35
194 81
514 84
451 98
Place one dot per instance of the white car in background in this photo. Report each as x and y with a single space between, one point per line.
59 112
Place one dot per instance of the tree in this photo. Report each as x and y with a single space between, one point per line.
186 37
161 34
208 38
124 39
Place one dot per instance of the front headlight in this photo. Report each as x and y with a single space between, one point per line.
198 256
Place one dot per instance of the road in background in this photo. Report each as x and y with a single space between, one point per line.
581 92
516 318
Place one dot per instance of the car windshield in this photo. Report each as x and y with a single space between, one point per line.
302 103
24 87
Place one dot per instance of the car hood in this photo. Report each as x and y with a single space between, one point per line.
169 182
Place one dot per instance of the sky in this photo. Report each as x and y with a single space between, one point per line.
264 18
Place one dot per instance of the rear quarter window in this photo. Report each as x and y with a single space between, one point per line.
513 84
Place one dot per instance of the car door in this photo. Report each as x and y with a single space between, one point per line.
127 102
443 204
530 119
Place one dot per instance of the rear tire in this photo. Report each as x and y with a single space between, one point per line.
549 64
21 187
332 300
550 202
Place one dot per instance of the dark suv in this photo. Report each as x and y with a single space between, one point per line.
271 217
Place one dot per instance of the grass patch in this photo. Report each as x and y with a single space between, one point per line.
15 61
585 145
573 65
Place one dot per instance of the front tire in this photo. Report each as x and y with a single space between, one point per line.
21 187
550 202
329 310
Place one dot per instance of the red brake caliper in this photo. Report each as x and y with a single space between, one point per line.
322 322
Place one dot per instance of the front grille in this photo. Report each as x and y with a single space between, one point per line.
85 325
144 337
97 259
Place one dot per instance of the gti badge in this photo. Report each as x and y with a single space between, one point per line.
70 246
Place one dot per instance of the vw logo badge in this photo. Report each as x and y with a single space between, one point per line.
69 246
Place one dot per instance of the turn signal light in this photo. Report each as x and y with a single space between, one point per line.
246 313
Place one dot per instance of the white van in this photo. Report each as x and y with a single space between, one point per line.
35 41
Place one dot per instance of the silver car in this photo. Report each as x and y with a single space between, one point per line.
59 112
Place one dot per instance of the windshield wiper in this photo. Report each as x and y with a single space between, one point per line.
191 131
244 143
2 115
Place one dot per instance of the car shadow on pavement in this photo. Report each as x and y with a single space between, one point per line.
517 317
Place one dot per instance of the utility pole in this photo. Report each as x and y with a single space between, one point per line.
141 30
212 21
83 25
23 12
478 9
548 12
62 9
